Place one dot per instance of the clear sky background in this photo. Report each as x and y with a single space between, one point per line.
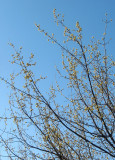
17 25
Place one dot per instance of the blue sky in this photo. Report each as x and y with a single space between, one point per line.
17 25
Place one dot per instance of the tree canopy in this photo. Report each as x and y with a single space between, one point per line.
74 121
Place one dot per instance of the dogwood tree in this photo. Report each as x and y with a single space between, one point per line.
79 126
